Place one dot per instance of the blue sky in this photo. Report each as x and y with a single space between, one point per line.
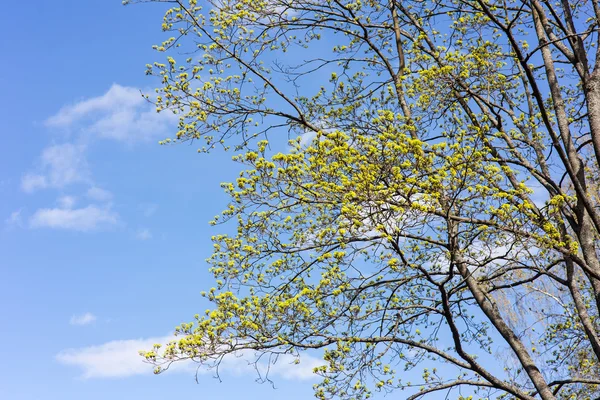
103 232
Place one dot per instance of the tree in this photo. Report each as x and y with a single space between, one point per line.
437 207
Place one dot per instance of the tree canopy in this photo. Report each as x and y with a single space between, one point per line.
436 208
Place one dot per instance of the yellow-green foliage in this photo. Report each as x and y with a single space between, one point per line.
426 211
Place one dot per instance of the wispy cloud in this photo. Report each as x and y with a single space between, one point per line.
143 234
116 98
15 219
120 358
307 138
283 366
99 194
60 165
67 201
115 359
33 182
83 319
120 114
85 219
148 209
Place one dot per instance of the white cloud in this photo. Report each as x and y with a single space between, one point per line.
116 98
15 219
143 234
130 125
61 165
99 194
120 358
307 138
283 366
32 182
82 219
67 201
84 319
115 359
120 114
